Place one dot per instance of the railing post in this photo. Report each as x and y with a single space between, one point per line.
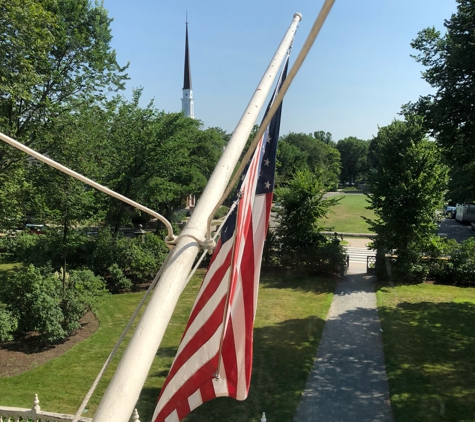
135 416
35 409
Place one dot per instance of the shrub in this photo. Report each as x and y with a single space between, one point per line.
298 237
8 323
41 302
16 245
124 262
458 267
117 280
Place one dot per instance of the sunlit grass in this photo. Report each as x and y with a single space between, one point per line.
289 323
429 345
347 216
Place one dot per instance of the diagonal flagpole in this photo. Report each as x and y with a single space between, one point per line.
124 389
270 114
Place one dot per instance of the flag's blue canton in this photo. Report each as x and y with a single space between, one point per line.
229 226
265 182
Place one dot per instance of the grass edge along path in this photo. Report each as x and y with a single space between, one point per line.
429 343
289 324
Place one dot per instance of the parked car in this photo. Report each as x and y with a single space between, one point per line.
36 228
450 211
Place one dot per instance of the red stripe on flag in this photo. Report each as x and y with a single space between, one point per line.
199 339
234 268
210 289
194 383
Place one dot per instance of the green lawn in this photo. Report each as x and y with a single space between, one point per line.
288 327
347 215
429 345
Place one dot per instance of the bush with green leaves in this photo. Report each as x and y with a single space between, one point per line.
125 262
16 245
453 263
299 240
8 323
122 261
48 303
50 249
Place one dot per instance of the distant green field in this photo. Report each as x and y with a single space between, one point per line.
347 215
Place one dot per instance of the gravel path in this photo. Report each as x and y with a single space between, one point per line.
348 381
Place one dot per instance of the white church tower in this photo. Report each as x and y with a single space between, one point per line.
187 102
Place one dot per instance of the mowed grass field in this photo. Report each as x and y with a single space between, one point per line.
429 345
347 216
289 323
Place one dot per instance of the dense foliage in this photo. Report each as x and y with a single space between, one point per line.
36 300
298 241
450 69
406 185
298 151
353 153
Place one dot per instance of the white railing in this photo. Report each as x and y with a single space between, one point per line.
35 414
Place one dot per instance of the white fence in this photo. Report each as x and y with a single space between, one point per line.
35 414
16 414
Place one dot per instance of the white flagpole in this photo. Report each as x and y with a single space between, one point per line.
123 392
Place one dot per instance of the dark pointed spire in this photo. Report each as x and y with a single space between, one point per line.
187 78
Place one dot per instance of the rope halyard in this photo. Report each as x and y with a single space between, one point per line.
140 305
317 26
119 342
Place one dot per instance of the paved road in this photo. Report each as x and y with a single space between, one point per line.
348 382
455 230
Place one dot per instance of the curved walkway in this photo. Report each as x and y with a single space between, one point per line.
348 381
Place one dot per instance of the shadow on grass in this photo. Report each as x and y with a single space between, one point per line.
283 357
430 358
287 280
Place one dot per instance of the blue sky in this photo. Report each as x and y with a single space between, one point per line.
356 77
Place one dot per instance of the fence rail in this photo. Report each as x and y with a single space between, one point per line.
35 414
17 414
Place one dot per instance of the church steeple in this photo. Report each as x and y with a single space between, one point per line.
187 102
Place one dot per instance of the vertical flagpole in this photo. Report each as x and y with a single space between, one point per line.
123 392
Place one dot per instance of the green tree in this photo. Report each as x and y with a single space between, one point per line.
298 151
54 55
325 137
449 69
157 158
353 153
406 188
300 242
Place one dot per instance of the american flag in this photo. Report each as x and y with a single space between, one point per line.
215 354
